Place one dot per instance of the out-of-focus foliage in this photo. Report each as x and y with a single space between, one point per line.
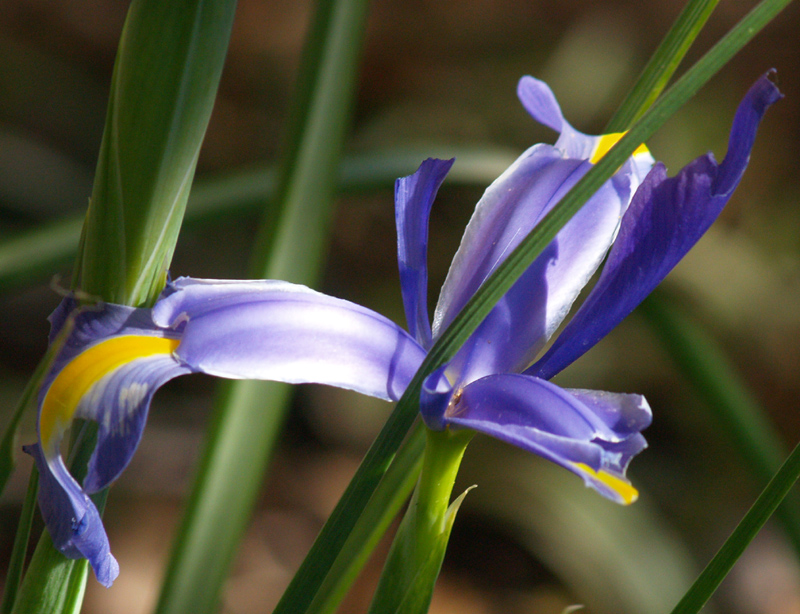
436 74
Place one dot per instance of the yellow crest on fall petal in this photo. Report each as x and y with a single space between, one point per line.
627 492
607 141
85 370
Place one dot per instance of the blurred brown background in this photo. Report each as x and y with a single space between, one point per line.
442 74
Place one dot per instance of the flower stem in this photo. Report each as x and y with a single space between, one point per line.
417 552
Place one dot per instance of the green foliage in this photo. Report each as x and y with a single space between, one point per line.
292 244
164 85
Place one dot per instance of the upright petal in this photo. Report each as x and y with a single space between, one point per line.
666 218
512 206
279 331
413 197
518 327
594 435
539 100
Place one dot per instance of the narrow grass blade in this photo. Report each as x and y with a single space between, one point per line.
705 365
249 415
64 591
20 548
663 64
392 492
767 502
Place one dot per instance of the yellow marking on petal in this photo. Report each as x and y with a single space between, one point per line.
607 141
627 492
85 370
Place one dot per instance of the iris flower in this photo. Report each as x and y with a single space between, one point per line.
113 358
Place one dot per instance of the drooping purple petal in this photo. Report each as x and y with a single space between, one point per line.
72 519
108 367
119 403
284 332
624 414
594 439
666 218
413 197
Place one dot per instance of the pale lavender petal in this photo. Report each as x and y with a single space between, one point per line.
522 321
666 218
539 100
71 518
514 203
595 440
413 197
284 332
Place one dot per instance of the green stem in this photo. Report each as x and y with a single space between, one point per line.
391 494
418 550
443 454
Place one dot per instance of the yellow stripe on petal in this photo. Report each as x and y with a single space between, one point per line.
607 141
627 492
85 370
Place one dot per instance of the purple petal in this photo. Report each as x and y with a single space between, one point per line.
592 434
413 197
538 100
71 518
99 374
107 369
519 325
88 324
666 218
284 332
119 403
